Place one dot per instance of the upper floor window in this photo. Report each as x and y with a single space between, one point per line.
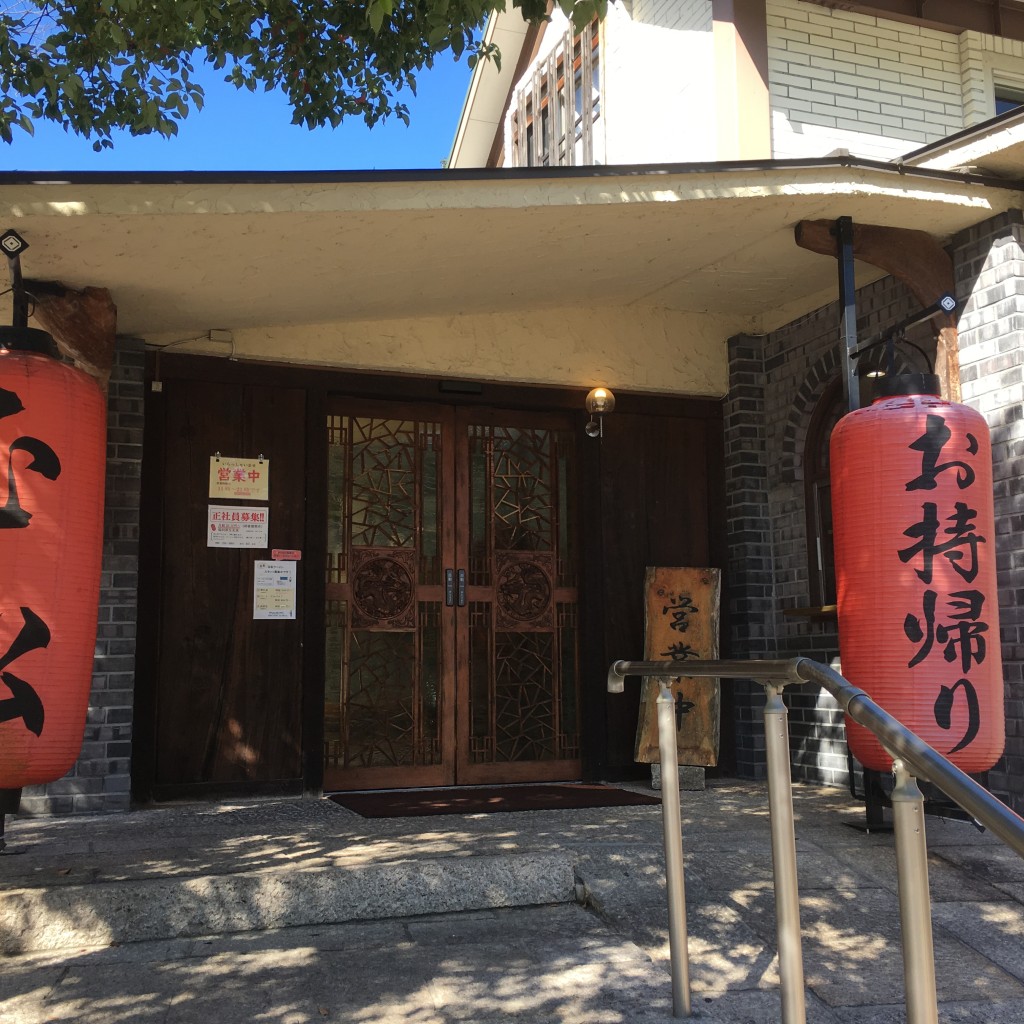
554 111
1008 98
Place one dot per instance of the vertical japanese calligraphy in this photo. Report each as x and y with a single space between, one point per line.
681 624
52 455
915 564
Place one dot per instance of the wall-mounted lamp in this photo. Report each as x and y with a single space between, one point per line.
599 402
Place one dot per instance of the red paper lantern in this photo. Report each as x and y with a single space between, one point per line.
916 571
52 457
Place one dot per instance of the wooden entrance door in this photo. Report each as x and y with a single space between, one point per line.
451 637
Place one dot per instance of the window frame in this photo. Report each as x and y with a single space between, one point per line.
536 139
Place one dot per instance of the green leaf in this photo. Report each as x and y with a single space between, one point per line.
582 15
101 65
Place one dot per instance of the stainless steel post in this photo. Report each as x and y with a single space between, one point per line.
677 937
915 902
787 895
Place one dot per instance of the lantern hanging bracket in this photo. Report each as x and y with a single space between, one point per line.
843 232
945 305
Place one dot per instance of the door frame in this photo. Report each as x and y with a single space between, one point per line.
456 767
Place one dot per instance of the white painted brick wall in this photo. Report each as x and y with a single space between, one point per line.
989 261
840 80
985 62
657 104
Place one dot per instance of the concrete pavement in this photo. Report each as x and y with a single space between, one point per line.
175 915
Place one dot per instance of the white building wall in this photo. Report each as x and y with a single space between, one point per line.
987 62
631 347
840 80
658 78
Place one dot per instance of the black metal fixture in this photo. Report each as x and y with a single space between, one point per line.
13 245
897 334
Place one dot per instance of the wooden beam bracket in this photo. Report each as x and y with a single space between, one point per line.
915 259
83 323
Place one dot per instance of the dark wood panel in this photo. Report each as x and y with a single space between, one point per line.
657 507
234 710
593 664
314 557
228 690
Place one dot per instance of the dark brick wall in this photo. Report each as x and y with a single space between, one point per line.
100 779
775 384
990 268
749 573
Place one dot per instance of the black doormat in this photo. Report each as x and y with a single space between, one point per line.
414 803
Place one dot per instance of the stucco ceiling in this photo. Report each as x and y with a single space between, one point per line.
183 257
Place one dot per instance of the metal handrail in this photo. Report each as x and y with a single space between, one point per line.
900 741
929 764
909 751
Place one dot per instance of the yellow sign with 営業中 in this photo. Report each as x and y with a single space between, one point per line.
239 478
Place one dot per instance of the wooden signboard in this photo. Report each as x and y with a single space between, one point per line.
681 624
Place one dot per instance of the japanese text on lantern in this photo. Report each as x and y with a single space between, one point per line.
24 702
948 629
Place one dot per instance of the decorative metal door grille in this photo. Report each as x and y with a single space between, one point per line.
522 686
383 644
435 674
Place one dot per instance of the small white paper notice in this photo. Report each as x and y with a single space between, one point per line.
274 590
237 526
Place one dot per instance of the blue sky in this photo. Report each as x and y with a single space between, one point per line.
243 131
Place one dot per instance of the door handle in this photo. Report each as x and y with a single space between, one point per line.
462 588
449 587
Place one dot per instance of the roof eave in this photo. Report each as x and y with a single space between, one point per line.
483 110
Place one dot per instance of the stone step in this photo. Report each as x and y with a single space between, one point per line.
135 910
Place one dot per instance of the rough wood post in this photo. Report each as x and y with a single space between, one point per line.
83 323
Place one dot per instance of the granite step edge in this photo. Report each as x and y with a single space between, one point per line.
103 913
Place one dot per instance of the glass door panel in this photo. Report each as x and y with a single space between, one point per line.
389 632
519 689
